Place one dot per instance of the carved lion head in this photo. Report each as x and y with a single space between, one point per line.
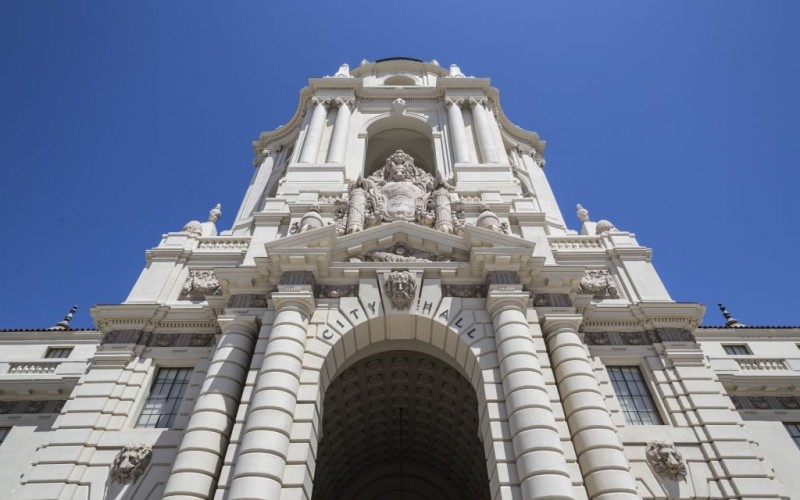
666 459
131 462
400 167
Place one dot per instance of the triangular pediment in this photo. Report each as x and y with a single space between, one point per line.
398 243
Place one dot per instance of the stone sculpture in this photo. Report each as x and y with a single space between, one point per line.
401 287
599 283
131 462
400 252
666 460
200 283
604 226
399 191
488 220
310 220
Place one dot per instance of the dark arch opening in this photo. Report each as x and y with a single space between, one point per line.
387 135
400 424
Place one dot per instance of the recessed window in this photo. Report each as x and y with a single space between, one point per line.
737 349
58 352
794 431
399 80
165 398
3 433
634 398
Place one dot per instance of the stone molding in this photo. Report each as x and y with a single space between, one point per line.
766 402
151 339
666 460
131 462
32 406
647 337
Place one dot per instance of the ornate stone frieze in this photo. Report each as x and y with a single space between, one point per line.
551 300
159 339
400 252
198 284
647 337
401 288
35 406
666 460
399 191
131 462
766 402
247 300
596 338
464 291
599 283
335 291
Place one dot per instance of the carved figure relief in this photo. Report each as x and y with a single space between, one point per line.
666 460
399 191
401 287
198 284
600 283
400 252
131 462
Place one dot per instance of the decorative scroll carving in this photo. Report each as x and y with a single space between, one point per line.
246 300
399 191
400 252
599 283
131 462
488 220
198 284
401 287
464 291
37 406
335 291
666 460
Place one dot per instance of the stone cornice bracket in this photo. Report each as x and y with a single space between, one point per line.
553 322
350 102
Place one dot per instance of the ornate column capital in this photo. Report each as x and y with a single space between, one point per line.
475 101
500 299
325 101
302 300
458 101
345 101
553 322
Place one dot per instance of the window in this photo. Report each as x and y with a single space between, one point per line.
737 349
58 352
794 431
165 397
634 398
3 433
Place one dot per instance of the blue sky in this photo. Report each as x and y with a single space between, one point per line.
120 121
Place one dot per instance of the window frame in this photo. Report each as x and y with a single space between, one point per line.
656 408
794 434
177 400
58 349
5 430
730 349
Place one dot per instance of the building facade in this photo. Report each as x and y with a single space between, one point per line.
400 311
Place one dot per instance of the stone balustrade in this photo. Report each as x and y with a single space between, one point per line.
224 243
33 367
561 243
762 364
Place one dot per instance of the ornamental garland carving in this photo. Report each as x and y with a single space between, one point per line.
198 284
666 460
335 291
401 288
131 462
464 291
599 283
400 252
399 191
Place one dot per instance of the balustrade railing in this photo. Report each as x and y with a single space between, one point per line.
33 367
575 243
223 243
762 364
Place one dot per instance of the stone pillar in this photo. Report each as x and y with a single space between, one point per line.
482 124
457 130
201 452
338 145
259 184
541 464
315 129
600 455
261 461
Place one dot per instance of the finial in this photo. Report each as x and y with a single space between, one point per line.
455 71
344 71
364 61
583 214
64 323
215 213
730 321
435 62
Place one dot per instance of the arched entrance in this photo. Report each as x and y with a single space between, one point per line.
400 424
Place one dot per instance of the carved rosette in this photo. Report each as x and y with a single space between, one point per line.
401 288
198 284
131 462
599 283
666 460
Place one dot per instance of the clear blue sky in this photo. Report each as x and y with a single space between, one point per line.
120 121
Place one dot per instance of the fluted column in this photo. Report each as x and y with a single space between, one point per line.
261 461
482 124
541 464
315 129
201 452
339 140
605 470
457 131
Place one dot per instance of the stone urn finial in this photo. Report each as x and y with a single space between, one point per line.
583 214
215 213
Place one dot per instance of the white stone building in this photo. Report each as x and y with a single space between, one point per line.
399 311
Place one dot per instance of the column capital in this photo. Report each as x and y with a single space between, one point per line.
245 322
475 101
553 322
344 101
325 101
300 298
458 101
500 300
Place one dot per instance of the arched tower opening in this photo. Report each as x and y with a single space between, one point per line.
387 135
400 424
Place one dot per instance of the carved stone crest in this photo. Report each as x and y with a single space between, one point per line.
200 283
399 191
401 287
599 283
131 462
666 460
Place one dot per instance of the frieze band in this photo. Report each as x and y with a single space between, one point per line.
150 339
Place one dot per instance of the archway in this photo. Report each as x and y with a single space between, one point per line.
400 424
387 135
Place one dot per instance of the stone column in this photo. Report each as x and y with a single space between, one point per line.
605 470
260 181
482 124
457 130
338 145
315 129
541 464
201 452
261 461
